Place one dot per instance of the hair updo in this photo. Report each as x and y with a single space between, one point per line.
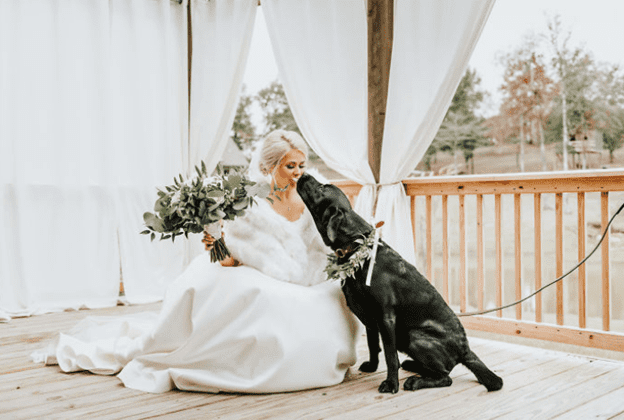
276 144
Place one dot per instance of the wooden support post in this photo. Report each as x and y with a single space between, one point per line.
380 29
189 53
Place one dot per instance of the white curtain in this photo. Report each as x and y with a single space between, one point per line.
320 49
321 53
221 38
433 41
93 116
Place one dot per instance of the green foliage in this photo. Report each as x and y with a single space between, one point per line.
341 271
276 111
190 204
461 129
243 130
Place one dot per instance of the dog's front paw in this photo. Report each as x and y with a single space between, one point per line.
389 386
369 366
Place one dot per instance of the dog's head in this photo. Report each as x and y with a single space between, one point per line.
331 210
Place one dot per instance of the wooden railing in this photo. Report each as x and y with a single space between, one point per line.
581 310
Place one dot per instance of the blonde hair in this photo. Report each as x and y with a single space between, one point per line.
276 144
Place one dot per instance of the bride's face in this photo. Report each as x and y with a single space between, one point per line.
290 168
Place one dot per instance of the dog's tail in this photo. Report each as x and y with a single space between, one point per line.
484 375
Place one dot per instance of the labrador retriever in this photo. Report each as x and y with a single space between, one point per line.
400 303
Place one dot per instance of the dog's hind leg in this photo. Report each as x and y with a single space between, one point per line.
372 338
484 375
418 382
430 361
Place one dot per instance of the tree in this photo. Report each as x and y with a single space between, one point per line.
573 68
275 109
609 105
243 130
461 131
277 113
527 97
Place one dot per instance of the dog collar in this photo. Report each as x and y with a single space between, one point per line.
357 258
343 252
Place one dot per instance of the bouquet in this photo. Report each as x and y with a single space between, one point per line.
200 204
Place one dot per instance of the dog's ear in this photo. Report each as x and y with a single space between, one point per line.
334 223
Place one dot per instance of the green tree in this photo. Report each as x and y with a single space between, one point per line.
275 109
609 106
243 130
277 113
462 131
574 70
527 97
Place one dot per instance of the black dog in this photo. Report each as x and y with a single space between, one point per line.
400 303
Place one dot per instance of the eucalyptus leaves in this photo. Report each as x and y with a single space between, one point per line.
191 205
356 261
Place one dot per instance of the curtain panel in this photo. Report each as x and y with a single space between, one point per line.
93 116
221 38
321 52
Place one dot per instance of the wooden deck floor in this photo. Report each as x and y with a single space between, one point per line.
539 384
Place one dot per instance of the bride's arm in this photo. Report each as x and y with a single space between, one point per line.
227 262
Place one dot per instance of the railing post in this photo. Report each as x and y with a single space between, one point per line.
537 215
582 288
462 253
518 252
606 302
445 253
559 254
480 271
499 253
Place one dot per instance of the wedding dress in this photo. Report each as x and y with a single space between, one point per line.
271 325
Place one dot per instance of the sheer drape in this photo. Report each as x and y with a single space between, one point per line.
320 48
93 115
221 38
433 41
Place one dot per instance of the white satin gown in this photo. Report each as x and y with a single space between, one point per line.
271 325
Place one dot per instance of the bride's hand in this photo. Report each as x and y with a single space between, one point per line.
208 241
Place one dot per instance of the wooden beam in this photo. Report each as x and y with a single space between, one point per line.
189 54
380 29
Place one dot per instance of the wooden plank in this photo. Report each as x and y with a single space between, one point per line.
537 216
429 240
555 333
462 253
499 252
559 254
445 250
541 182
582 288
462 397
380 28
602 407
606 302
514 395
518 252
552 402
519 401
480 262
369 404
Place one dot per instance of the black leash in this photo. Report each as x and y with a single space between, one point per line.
553 282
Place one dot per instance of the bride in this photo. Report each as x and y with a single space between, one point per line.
264 320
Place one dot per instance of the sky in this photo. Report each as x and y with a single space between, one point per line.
595 24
